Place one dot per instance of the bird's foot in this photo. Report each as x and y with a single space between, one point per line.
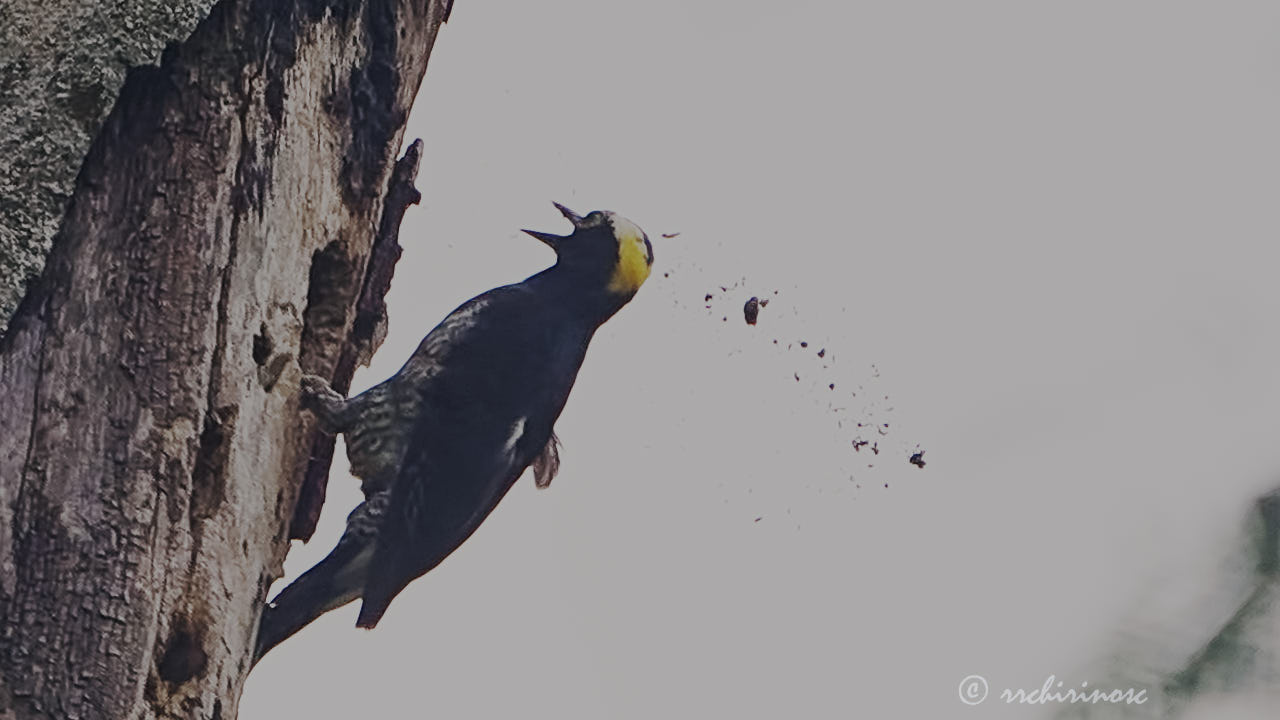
324 401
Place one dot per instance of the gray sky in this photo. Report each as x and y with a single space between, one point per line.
1045 231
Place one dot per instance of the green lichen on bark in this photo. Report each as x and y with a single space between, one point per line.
62 64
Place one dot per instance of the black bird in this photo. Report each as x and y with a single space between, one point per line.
439 443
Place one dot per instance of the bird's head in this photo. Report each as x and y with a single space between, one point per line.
605 248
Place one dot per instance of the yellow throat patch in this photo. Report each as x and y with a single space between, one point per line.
633 257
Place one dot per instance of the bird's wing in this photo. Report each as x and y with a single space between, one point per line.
484 419
445 490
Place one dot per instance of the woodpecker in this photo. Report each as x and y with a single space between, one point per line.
440 443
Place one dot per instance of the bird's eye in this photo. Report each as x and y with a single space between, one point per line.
594 217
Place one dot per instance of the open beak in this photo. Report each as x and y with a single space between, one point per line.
573 217
551 240
554 240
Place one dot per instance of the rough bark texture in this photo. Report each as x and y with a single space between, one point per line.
62 63
365 334
151 447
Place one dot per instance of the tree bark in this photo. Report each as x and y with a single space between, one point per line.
62 63
216 244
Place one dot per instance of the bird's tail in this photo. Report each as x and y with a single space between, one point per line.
336 581
332 583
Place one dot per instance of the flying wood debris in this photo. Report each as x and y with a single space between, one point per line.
872 406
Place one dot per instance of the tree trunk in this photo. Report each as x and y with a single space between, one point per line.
219 240
62 62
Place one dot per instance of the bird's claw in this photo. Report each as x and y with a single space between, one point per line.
323 401
313 388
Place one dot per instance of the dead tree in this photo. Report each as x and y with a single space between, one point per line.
232 225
